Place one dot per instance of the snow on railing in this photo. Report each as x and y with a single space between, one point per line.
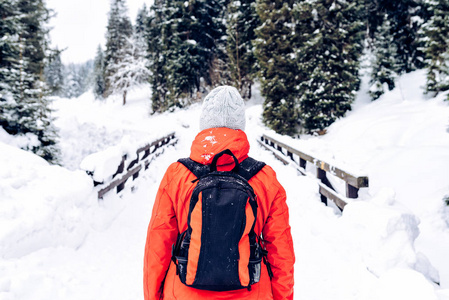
114 166
286 154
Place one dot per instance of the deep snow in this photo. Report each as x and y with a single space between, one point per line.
58 242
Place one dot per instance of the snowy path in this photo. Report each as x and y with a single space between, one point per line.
117 252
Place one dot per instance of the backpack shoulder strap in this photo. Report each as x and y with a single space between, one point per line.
195 167
247 168
250 167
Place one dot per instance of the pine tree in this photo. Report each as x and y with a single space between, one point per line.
99 80
187 50
219 67
140 28
73 86
194 49
158 31
78 79
242 21
397 41
383 74
437 48
132 70
406 18
330 60
119 31
186 44
185 62
275 52
25 106
10 28
33 89
374 16
54 72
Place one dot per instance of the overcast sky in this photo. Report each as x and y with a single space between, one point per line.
80 26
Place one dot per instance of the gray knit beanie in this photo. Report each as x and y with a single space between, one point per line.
223 107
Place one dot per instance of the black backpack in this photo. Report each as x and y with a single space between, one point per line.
220 251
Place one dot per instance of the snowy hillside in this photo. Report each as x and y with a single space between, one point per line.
58 242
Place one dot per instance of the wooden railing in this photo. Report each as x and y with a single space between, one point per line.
287 155
145 155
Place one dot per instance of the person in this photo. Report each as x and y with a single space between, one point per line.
222 125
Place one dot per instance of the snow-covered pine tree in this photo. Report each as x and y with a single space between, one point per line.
219 69
374 16
242 20
185 60
140 28
186 45
99 81
406 18
132 70
198 29
77 78
437 47
33 90
330 59
210 34
73 86
158 31
383 73
119 31
397 41
275 52
26 94
54 72
10 28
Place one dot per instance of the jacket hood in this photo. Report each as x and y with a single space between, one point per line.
214 140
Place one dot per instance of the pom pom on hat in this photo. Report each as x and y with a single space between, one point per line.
223 107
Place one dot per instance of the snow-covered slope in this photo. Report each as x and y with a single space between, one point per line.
401 142
58 242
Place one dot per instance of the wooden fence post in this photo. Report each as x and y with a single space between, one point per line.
302 163
321 175
352 191
289 154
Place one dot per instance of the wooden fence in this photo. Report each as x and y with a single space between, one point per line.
145 155
287 154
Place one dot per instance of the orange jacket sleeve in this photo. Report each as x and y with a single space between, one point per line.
279 244
162 233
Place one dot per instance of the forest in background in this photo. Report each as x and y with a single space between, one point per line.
305 54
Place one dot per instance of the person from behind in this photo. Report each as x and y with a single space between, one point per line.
219 228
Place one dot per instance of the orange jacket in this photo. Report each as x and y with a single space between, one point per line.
169 217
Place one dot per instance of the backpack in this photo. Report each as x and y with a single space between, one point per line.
220 251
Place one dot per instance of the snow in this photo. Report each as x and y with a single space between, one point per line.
26 141
57 241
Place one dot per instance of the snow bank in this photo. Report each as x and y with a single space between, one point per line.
41 205
407 284
384 236
103 165
401 142
355 255
52 234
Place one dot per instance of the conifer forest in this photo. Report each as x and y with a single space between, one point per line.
307 56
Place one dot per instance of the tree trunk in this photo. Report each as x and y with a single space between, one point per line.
124 97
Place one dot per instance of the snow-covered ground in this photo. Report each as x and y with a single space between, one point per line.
58 242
